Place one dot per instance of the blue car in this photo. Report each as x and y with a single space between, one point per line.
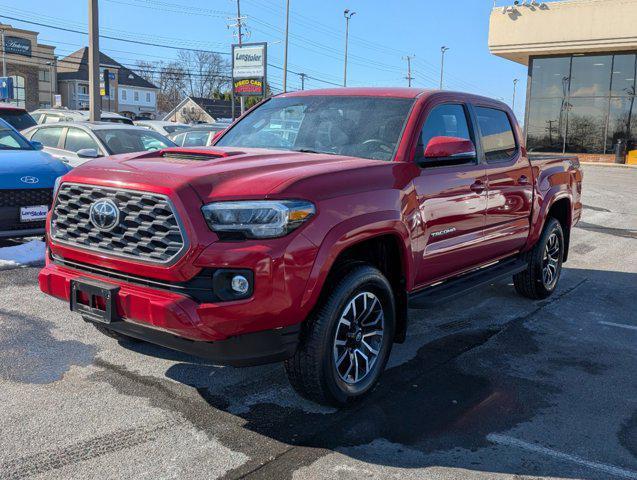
27 180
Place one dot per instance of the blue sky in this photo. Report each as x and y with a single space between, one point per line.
381 34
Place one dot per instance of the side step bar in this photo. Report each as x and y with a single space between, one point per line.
441 292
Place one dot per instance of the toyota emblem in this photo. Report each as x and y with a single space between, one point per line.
104 215
30 180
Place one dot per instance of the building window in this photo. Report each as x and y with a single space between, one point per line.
582 103
123 94
136 96
148 97
19 91
44 75
83 89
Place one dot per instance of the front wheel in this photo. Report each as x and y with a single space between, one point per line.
540 278
346 342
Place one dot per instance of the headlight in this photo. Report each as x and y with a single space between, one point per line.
56 185
258 219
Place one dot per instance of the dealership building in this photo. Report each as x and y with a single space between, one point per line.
582 65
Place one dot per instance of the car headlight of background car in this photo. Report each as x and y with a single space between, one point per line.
257 219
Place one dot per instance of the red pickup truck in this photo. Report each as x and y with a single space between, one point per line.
305 233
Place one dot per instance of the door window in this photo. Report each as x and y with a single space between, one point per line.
77 140
49 137
449 120
496 133
196 139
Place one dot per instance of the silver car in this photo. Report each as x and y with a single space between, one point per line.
77 142
56 115
163 127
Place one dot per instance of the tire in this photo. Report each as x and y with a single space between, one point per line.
113 334
548 253
324 369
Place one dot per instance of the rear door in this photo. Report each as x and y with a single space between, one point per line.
452 200
509 181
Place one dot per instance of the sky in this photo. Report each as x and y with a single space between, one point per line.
382 34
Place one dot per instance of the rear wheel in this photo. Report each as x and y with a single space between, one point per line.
346 342
540 278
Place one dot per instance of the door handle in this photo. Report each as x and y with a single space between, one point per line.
478 186
523 180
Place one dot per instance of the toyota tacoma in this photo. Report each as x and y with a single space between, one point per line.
309 228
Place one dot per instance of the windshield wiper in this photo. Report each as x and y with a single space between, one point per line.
309 150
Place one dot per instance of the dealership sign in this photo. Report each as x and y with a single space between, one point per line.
249 69
17 46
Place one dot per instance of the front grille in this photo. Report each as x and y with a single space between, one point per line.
148 230
26 197
12 200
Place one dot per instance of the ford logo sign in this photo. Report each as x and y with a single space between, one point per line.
104 215
30 180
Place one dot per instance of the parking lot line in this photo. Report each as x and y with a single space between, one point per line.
602 467
620 325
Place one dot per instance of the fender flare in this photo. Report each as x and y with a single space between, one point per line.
348 233
546 202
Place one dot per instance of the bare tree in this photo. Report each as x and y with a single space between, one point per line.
147 70
208 74
171 80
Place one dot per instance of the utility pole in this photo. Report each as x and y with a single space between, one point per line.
515 84
409 78
95 99
285 51
239 28
50 64
4 55
347 14
302 75
443 49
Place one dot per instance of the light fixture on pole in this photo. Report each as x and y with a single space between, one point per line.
347 14
443 49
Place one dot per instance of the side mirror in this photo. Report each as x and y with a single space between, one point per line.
37 145
452 148
88 153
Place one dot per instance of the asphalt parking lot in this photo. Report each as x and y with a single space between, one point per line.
491 386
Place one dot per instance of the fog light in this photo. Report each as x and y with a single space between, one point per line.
240 284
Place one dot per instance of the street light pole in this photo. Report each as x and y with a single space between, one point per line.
302 75
443 49
347 14
95 99
515 83
241 99
4 56
285 51
409 78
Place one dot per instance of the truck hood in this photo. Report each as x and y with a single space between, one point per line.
15 165
215 172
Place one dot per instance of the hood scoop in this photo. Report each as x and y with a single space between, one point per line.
202 154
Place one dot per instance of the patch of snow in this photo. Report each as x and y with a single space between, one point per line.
23 255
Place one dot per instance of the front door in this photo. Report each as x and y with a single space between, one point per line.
452 201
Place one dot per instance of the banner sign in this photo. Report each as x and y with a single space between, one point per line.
17 46
248 87
6 88
249 69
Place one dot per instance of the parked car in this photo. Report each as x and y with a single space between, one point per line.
256 250
77 142
56 115
198 136
27 178
16 116
162 127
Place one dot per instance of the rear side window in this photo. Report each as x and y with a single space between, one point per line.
498 140
196 139
77 140
49 137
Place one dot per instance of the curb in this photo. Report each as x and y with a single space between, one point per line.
611 165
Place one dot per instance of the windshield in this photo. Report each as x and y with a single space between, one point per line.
18 119
175 128
367 127
125 140
10 140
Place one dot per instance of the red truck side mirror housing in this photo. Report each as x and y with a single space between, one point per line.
449 147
